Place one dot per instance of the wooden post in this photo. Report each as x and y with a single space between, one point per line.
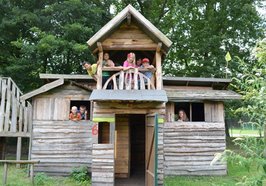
5 174
32 173
99 68
8 104
112 133
18 150
158 67
2 106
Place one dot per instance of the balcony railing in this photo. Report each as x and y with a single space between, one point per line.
132 79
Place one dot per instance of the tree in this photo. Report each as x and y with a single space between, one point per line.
48 37
202 32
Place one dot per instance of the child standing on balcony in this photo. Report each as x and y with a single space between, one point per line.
146 65
130 62
107 62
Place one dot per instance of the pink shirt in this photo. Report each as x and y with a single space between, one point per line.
127 64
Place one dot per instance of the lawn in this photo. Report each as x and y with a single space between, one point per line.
244 132
235 174
18 177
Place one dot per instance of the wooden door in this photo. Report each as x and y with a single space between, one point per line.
151 150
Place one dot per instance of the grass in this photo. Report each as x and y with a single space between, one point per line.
235 174
244 132
18 177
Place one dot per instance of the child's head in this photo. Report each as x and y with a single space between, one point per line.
86 65
82 109
139 62
74 109
131 58
145 62
106 56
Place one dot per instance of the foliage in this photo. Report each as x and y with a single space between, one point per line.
250 154
41 179
81 174
202 32
251 83
47 37
50 36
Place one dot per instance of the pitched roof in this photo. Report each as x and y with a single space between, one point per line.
147 26
43 89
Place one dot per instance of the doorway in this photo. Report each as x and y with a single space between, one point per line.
136 149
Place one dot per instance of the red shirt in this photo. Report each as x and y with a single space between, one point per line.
75 117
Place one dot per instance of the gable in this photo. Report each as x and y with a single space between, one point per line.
128 37
129 15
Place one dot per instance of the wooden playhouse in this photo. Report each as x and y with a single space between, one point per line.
132 134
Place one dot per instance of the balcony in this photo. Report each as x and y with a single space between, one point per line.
132 79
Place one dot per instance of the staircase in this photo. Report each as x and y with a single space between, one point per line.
15 116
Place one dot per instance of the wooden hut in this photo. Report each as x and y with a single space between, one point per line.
133 134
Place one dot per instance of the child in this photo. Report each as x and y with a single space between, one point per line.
83 112
182 116
105 74
139 62
130 62
74 115
91 69
146 65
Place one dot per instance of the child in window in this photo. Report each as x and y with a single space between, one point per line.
182 116
83 112
74 114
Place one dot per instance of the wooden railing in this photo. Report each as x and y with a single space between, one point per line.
15 116
130 79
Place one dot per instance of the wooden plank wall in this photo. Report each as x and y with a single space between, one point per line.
189 148
15 116
55 104
128 37
160 168
122 147
129 108
102 165
61 145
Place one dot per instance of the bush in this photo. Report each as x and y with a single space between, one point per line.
81 174
41 179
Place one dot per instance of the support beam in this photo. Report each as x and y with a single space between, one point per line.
99 68
128 18
158 58
5 174
18 157
112 133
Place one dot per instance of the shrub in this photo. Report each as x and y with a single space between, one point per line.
41 179
81 174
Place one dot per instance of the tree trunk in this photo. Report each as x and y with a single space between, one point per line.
227 134
264 153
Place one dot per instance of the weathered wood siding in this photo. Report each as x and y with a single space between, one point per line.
55 104
129 108
122 147
61 145
103 165
160 170
128 37
189 148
